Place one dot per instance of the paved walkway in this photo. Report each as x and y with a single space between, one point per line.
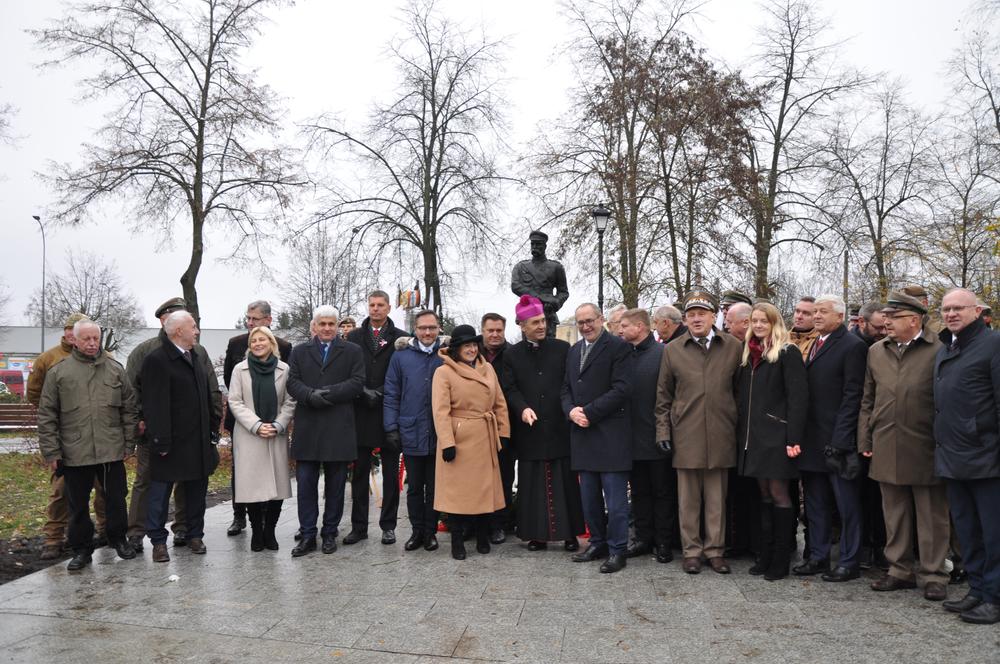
375 603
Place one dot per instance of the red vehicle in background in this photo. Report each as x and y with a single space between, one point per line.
14 382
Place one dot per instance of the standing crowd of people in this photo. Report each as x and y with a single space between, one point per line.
708 427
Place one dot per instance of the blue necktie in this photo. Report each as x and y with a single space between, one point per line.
326 349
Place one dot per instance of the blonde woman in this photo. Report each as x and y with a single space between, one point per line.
773 401
263 410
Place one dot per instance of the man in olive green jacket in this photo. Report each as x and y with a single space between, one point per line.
140 487
57 511
86 428
896 429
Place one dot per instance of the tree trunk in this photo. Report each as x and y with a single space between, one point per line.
190 276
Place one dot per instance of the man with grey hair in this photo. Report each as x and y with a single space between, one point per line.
325 375
182 429
140 485
86 427
615 319
258 315
829 463
738 320
668 323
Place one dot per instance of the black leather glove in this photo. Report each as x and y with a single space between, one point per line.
215 436
392 441
317 399
504 443
665 447
372 397
845 463
448 454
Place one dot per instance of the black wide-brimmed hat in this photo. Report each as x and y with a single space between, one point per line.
463 334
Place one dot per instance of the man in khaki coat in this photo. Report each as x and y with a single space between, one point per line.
696 416
896 429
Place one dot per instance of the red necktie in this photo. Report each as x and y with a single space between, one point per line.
816 346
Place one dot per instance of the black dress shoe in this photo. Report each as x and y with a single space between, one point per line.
79 561
571 545
497 536
957 575
867 558
298 534
638 548
535 545
180 539
810 567
236 527
330 543
354 537
389 536
983 614
840 574
415 542
962 605
663 553
590 554
135 541
431 544
304 546
124 550
614 563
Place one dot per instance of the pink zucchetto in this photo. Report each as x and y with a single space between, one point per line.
529 306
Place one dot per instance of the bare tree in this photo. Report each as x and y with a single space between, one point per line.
92 286
324 269
6 113
799 69
875 166
180 143
430 178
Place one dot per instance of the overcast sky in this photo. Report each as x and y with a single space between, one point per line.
330 56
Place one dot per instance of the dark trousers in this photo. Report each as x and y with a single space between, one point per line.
420 493
159 505
824 491
334 482
974 508
137 509
239 509
872 518
654 500
504 518
606 489
742 514
360 490
79 481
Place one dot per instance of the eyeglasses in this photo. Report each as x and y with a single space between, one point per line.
586 322
427 328
954 310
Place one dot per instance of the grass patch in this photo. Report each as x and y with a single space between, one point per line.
25 487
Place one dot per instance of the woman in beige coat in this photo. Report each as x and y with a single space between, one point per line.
470 418
263 411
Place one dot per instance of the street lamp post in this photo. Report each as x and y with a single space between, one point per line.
41 227
601 215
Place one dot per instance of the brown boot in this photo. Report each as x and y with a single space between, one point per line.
160 554
195 545
51 552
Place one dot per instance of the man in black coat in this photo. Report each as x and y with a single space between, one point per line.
258 315
377 339
548 493
654 489
829 464
967 431
181 430
595 398
325 375
493 327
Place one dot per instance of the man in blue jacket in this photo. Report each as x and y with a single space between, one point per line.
409 425
967 431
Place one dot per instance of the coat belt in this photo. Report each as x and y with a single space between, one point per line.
491 422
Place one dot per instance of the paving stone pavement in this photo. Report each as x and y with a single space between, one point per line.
376 603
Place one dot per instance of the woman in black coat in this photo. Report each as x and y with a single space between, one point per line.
773 401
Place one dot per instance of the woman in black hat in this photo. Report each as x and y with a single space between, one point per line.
470 418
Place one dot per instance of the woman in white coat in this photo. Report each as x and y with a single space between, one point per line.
263 410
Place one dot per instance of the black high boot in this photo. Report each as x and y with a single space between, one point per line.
272 512
457 538
483 533
765 546
784 535
255 511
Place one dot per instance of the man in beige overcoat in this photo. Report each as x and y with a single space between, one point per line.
696 416
896 429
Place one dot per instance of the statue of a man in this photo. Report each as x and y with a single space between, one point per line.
543 278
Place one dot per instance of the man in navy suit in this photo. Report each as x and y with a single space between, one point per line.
595 398
829 462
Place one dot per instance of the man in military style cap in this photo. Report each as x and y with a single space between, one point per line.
543 278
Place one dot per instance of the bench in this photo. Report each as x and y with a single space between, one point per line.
18 417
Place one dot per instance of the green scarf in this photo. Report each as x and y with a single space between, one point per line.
265 396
